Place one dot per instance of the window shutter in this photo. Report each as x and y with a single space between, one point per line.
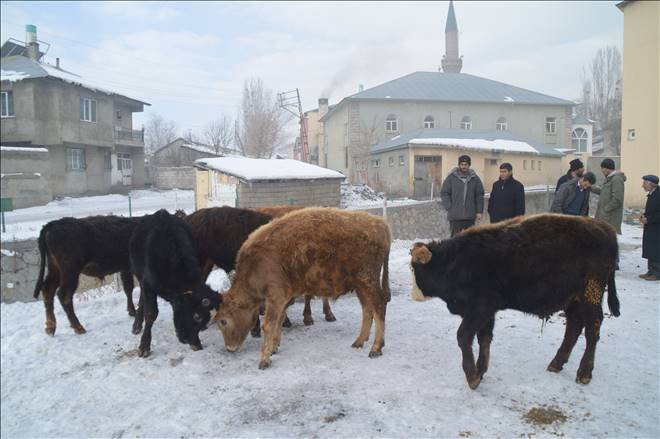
10 103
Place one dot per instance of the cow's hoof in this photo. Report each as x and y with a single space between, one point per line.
552 367
80 330
586 379
286 323
196 347
375 354
264 364
308 322
330 318
474 382
50 331
144 353
131 312
358 345
256 334
136 329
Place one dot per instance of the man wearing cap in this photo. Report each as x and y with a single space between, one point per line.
572 198
651 220
576 170
462 195
507 198
610 195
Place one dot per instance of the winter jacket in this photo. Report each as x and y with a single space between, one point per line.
610 200
563 179
463 200
507 200
566 194
651 239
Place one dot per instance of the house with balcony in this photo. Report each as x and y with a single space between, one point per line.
86 129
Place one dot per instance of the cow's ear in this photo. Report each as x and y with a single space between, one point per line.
421 254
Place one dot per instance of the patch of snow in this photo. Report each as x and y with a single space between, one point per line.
356 196
6 252
508 99
10 285
318 385
10 174
12 75
22 149
268 169
480 144
37 174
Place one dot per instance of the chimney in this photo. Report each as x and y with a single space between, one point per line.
323 107
323 110
360 87
31 42
57 63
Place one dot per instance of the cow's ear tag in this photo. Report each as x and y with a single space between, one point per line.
187 292
421 255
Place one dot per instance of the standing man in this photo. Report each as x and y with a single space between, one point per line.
507 198
610 200
651 220
572 198
576 170
462 195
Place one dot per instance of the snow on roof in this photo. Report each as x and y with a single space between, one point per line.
267 169
497 144
201 148
12 75
565 150
22 149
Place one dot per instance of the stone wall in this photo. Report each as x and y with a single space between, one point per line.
299 192
182 177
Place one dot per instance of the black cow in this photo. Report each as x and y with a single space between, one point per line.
538 265
95 246
164 259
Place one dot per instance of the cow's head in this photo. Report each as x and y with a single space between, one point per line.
193 312
420 255
235 319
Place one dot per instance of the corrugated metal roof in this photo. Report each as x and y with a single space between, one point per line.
581 120
494 140
17 68
455 87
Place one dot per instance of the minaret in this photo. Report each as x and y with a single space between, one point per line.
451 63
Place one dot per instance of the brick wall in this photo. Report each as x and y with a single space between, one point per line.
182 177
302 193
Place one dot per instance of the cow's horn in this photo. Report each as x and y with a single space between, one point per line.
421 255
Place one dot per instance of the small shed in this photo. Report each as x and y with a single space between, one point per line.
250 183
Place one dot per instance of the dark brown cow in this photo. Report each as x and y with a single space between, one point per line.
322 250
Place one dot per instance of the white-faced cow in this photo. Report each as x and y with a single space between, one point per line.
538 265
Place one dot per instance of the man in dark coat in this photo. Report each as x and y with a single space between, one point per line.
651 220
572 198
462 195
507 198
576 170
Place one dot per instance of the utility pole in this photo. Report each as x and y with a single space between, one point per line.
290 101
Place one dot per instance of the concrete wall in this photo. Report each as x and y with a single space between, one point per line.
641 97
341 128
25 178
325 193
174 177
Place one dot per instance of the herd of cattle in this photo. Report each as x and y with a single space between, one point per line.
538 265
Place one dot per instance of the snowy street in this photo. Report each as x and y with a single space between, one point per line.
94 385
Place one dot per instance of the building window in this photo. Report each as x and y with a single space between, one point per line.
429 122
580 136
391 124
524 165
532 163
466 123
118 114
107 160
75 159
502 124
539 165
402 160
375 163
87 110
391 161
7 104
124 161
551 125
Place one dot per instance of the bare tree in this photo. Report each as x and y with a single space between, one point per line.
219 134
601 91
158 132
261 123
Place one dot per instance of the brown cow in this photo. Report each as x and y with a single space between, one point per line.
324 250
278 212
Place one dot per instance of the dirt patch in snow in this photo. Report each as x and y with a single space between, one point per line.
541 416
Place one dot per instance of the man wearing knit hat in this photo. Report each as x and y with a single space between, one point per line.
651 220
462 195
576 170
610 195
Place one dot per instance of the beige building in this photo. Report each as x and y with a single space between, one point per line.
640 127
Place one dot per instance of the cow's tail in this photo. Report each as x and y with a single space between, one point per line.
385 283
42 265
612 299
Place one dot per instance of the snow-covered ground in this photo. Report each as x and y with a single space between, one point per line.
358 196
93 385
26 223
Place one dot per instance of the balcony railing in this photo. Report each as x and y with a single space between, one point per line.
130 135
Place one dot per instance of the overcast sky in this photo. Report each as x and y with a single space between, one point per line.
189 60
